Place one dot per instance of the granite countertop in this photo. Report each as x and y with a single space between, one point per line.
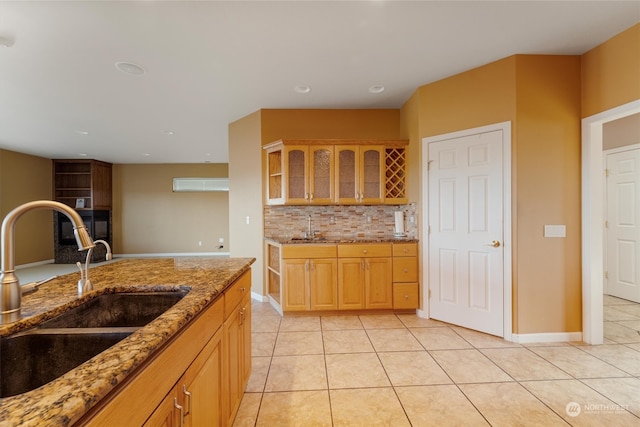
339 240
64 400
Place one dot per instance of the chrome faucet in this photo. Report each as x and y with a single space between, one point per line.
10 291
84 284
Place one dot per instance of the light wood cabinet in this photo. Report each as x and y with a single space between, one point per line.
189 383
359 174
309 277
300 172
405 276
364 276
197 398
237 345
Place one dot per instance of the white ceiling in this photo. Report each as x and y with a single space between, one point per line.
210 63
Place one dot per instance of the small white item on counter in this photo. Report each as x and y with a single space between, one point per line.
399 224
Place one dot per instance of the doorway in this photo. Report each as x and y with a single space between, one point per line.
467 205
593 218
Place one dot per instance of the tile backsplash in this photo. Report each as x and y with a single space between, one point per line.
344 221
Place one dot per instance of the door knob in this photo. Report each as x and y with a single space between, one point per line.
494 243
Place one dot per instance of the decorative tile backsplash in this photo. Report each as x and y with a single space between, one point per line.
335 222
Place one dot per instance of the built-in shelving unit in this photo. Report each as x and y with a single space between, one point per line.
82 184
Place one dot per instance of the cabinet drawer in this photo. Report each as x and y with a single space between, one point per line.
364 250
405 295
405 249
234 294
308 251
405 269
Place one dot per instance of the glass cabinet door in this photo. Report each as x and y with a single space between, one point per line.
297 167
347 174
371 174
321 175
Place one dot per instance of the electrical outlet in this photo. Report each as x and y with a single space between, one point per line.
221 240
199 242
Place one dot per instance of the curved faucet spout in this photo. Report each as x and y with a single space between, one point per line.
10 292
85 284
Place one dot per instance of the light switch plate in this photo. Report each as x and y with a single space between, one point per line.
555 231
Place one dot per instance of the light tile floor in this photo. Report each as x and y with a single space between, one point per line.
400 370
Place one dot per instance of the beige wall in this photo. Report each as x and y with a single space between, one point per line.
540 95
245 195
621 132
610 73
148 217
24 178
330 124
547 271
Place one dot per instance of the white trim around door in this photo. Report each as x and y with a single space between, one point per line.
593 219
505 127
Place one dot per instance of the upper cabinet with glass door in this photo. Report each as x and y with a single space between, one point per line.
309 174
360 174
335 172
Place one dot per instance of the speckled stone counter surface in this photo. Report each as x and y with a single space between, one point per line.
64 400
342 240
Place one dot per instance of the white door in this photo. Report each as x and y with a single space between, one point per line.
466 210
622 226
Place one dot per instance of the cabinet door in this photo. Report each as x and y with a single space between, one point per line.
297 173
245 317
371 174
347 174
232 365
201 387
323 284
295 285
350 283
167 414
378 284
321 175
275 180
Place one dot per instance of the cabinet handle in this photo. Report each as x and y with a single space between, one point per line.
361 264
367 264
179 408
311 197
242 315
406 296
187 394
243 289
364 251
406 250
311 264
406 270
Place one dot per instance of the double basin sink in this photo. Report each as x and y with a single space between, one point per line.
32 358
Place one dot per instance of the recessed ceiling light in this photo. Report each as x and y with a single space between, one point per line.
82 154
146 154
82 132
169 132
376 89
130 68
302 89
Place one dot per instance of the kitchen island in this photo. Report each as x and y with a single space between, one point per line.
69 398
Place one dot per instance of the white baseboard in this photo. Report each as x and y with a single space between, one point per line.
35 264
258 297
547 337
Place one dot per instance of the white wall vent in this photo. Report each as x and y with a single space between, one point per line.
200 184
